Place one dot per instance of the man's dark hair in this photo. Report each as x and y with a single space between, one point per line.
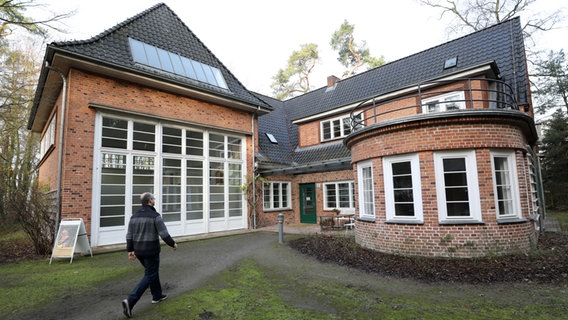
146 197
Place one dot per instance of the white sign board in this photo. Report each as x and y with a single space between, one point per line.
71 238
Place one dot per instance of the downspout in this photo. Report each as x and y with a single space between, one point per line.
60 143
254 171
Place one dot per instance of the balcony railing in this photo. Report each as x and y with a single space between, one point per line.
439 96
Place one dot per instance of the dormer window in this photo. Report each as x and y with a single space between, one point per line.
446 102
337 127
155 57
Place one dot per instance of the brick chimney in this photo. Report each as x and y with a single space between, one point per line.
331 80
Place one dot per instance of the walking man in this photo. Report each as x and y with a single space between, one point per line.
142 241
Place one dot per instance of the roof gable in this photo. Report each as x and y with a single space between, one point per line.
158 26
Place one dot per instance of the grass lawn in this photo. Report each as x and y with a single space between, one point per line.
256 289
560 216
248 291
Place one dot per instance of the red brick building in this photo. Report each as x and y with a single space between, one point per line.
433 153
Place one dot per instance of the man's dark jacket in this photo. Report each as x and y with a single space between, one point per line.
144 230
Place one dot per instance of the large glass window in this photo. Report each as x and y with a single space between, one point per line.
339 195
366 192
173 63
170 161
457 186
505 184
276 195
403 191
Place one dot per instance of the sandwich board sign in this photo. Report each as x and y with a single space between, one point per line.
71 238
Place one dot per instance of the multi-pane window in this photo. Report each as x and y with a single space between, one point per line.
457 186
276 195
339 195
235 192
143 175
216 190
171 189
48 138
195 175
403 191
171 62
337 127
366 192
144 136
194 190
446 102
171 140
112 206
505 184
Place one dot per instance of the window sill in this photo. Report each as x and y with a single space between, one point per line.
277 209
511 220
450 222
366 219
401 221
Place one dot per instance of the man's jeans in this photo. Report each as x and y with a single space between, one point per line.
151 279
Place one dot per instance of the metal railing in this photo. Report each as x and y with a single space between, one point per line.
486 94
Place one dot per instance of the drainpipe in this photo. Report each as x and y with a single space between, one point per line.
60 144
254 171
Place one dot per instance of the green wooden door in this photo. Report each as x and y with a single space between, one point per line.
308 203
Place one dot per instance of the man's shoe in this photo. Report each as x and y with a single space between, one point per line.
126 308
164 297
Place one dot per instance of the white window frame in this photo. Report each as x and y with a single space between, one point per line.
343 131
472 187
234 155
390 201
444 101
277 206
364 192
326 206
513 183
48 139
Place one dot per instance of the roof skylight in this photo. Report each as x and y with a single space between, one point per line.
272 138
174 63
451 62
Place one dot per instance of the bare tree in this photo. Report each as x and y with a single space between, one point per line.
473 15
12 15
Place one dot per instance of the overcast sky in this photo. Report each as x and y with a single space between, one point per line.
254 38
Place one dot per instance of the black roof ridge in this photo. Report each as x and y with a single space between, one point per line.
410 56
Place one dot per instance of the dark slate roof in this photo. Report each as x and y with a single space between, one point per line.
161 27
277 124
501 43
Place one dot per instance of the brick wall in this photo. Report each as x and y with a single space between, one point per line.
432 238
87 90
293 216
